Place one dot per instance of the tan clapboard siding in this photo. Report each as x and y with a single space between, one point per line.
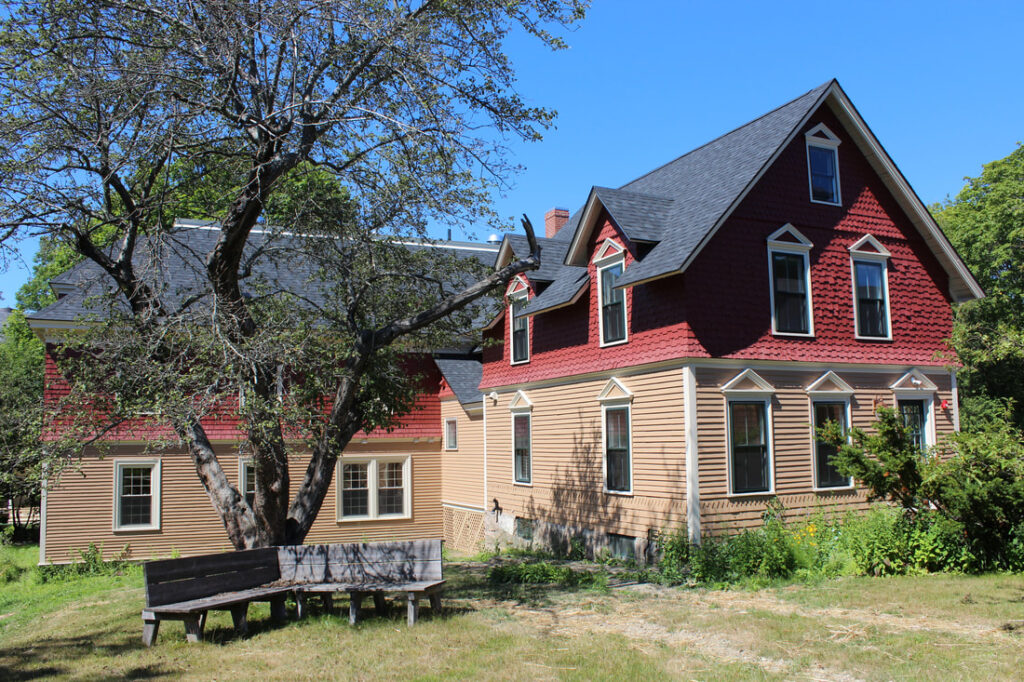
792 442
80 506
462 470
567 456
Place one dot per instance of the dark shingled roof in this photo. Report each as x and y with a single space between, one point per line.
565 280
703 185
560 292
641 217
463 373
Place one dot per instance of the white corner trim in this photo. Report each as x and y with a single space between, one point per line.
693 529
841 390
955 398
44 484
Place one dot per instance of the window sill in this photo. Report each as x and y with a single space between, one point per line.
858 337
619 493
523 484
793 334
827 203
613 343
520 362
136 529
455 449
364 519
760 493
836 489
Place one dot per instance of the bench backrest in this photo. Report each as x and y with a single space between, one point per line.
173 580
362 562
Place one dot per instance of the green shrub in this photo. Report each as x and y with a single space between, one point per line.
709 561
542 573
673 555
9 571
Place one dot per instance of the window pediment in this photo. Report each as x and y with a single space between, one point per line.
517 285
828 385
914 381
614 392
608 250
868 246
520 403
790 238
748 383
820 134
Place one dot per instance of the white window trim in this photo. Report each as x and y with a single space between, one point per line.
750 397
880 256
803 248
521 412
828 397
923 389
154 482
831 143
243 464
610 255
448 445
616 404
372 485
512 298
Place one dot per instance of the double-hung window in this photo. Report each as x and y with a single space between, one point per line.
823 165
617 457
374 488
826 474
520 328
451 434
748 429
613 305
789 265
870 266
521 448
914 419
247 480
137 495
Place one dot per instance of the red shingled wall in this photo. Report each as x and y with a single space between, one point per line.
721 308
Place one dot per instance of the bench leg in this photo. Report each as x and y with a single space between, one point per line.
327 599
412 602
150 628
435 602
240 617
194 628
278 609
355 600
202 621
380 603
301 606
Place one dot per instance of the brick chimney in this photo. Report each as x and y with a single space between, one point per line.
554 220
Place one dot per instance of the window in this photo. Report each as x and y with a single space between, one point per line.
521 448
823 165
520 329
137 495
617 466
374 488
870 264
613 305
826 475
247 480
789 267
914 418
621 546
748 439
451 434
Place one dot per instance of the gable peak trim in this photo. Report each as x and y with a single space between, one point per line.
735 385
821 386
822 135
802 242
517 285
610 248
914 380
614 391
869 246
520 402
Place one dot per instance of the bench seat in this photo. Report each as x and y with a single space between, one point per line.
220 601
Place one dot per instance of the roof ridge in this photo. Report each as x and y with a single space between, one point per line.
734 130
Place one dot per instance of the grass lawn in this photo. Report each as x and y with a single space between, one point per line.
928 627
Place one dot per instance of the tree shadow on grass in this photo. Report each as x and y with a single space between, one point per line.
47 658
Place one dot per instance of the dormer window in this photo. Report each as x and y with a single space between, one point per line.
519 324
823 165
789 268
610 261
869 261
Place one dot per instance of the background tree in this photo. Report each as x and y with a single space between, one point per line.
985 222
112 112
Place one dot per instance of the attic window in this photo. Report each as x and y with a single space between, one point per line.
611 304
823 165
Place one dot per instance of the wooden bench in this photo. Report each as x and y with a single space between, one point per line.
411 568
185 589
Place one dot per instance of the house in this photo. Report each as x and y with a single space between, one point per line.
664 368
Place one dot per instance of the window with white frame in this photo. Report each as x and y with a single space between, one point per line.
519 328
247 480
789 268
913 413
451 434
374 488
611 303
618 466
823 165
869 263
748 417
522 448
825 472
914 395
137 495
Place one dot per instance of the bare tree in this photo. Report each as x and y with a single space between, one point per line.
385 115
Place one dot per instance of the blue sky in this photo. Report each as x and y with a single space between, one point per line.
939 83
